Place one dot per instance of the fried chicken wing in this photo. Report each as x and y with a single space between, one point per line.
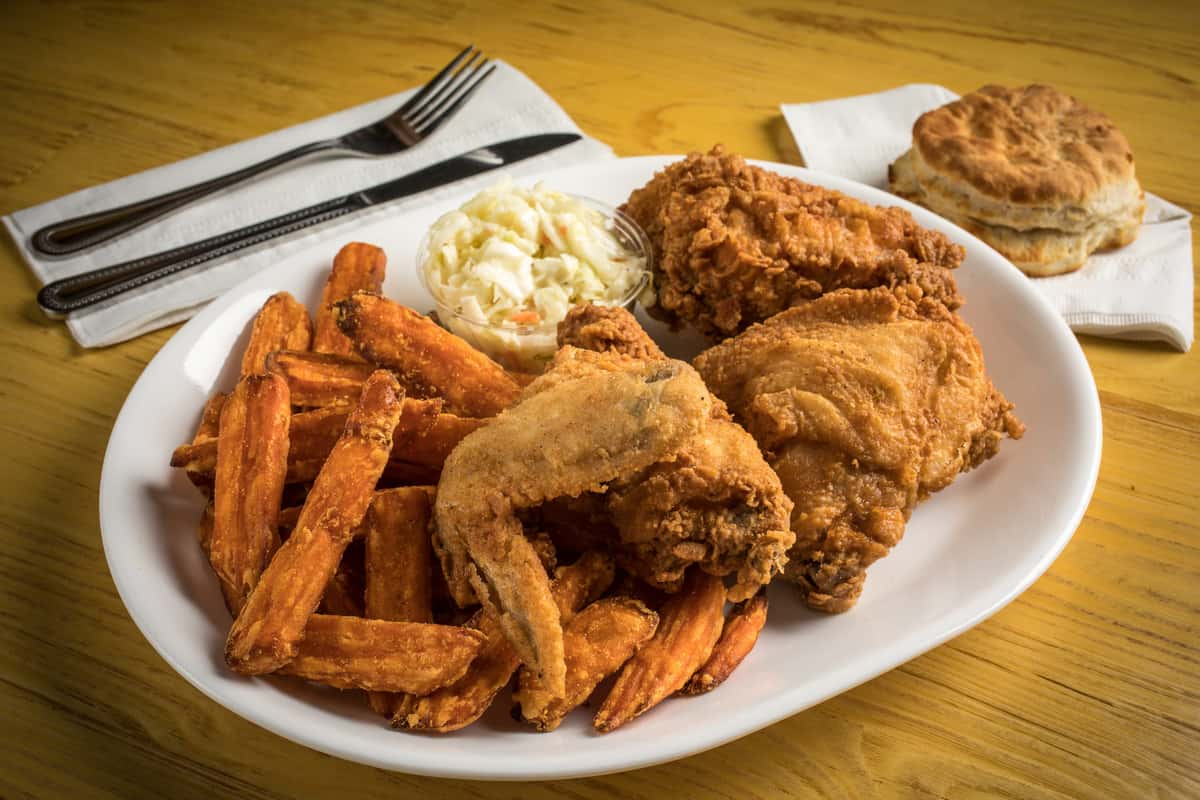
646 441
865 402
735 244
576 429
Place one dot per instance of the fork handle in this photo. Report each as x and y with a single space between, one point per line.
89 230
80 291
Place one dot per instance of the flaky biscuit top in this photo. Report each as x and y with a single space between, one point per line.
1030 145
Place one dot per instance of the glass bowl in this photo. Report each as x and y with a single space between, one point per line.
529 348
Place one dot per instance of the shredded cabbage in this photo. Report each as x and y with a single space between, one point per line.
516 257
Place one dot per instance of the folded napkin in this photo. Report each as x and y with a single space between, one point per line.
507 105
1141 291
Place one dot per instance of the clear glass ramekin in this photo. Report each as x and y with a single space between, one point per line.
528 348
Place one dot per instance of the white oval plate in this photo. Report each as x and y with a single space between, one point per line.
968 551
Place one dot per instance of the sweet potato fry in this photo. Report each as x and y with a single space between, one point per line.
266 633
210 418
738 637
281 324
252 452
430 446
399 564
578 584
596 642
357 266
430 360
206 431
689 625
204 529
383 655
288 517
464 701
399 555
399 474
320 379
423 437
346 592
341 597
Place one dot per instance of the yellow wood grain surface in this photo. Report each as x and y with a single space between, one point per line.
1087 686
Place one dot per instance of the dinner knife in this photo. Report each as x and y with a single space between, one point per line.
61 297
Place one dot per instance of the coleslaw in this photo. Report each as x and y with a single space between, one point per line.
507 266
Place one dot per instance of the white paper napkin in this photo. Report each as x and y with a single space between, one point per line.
1141 291
507 105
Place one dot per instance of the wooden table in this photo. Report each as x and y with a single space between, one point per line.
1088 685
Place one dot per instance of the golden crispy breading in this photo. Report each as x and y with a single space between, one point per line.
320 379
596 642
430 361
735 243
252 452
266 633
864 402
463 702
603 329
689 625
566 436
738 638
715 502
281 324
356 267
382 655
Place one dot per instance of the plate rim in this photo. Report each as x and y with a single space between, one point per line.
673 750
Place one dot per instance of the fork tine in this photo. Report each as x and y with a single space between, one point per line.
448 87
452 104
432 84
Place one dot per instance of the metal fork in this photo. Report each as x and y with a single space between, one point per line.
413 122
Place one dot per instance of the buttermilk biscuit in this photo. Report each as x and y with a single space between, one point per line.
1031 171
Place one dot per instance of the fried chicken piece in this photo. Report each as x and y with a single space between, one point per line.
735 244
575 429
715 503
682 483
603 329
865 403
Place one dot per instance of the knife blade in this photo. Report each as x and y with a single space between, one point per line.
467 165
80 291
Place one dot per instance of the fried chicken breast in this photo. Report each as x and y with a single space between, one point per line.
735 244
865 402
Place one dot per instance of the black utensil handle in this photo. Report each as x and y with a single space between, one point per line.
88 230
80 291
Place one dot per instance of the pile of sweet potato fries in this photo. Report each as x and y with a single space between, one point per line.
321 468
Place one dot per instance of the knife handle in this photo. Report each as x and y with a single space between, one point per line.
88 230
80 291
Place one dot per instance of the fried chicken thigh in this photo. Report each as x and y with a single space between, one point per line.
735 244
865 402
